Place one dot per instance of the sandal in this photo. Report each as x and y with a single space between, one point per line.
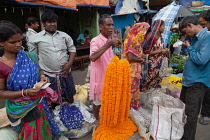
204 122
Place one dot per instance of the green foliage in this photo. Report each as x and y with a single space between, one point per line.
180 60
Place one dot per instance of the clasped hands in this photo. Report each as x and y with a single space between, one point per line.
165 50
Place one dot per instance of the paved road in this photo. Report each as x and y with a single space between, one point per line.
79 78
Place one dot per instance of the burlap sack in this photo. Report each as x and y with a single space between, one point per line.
4 121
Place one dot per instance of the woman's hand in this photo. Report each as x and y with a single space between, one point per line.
32 91
142 61
164 50
45 79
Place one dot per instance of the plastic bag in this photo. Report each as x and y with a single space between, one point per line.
177 47
173 90
7 133
87 125
138 117
146 98
82 92
168 119
163 67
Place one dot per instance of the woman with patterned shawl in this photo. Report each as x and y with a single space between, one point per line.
26 106
153 47
133 51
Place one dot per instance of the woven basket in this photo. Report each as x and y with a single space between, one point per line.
197 3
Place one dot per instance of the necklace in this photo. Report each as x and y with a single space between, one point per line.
8 58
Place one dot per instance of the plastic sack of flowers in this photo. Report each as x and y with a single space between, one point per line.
114 121
73 120
173 84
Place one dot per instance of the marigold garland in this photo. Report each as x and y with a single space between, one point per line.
116 96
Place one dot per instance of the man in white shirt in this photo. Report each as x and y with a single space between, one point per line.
56 53
33 24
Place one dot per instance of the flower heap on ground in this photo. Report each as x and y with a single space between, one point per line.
175 80
116 96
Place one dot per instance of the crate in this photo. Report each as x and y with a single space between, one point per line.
197 3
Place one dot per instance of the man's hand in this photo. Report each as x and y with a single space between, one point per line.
45 79
65 69
115 42
186 43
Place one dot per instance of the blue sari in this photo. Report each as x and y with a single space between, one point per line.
24 75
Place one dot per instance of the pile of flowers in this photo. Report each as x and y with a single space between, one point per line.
114 121
175 80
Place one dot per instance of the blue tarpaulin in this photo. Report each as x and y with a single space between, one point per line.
122 21
207 2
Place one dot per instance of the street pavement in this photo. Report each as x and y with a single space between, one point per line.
79 79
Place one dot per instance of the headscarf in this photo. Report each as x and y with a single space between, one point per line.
135 38
151 36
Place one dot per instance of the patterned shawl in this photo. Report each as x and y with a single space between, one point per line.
150 40
133 43
24 75
135 38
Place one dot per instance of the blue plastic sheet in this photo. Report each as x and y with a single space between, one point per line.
118 6
185 2
207 2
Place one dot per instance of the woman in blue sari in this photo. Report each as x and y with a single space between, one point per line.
26 106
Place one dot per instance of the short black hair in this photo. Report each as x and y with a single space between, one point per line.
49 15
86 32
8 29
203 15
102 18
186 20
31 20
208 15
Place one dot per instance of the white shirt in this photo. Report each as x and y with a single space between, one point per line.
51 49
29 33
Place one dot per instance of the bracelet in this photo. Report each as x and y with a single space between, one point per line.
23 94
